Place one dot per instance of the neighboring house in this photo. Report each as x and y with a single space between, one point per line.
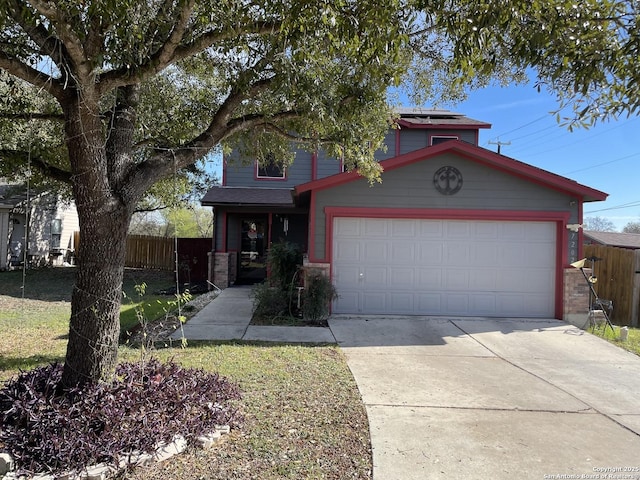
613 239
453 229
49 233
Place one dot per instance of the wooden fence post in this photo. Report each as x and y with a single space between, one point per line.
635 296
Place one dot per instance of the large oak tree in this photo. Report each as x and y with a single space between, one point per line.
110 97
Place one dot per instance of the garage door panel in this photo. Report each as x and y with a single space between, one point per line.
429 278
431 230
482 304
428 303
450 267
403 228
486 231
374 250
374 277
401 303
456 279
514 256
347 227
458 254
402 253
513 231
457 304
539 231
430 253
375 227
346 274
402 278
348 302
458 230
348 250
483 280
486 253
374 301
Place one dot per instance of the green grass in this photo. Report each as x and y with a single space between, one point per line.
55 285
304 418
632 344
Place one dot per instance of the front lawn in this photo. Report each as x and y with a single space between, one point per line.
304 417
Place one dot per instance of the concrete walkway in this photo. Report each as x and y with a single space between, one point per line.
501 399
227 317
472 398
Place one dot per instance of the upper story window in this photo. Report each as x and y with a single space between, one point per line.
438 139
270 169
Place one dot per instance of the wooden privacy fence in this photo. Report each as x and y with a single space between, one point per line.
145 251
618 280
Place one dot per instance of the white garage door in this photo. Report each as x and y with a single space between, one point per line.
444 267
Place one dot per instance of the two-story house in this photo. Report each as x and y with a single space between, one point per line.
453 229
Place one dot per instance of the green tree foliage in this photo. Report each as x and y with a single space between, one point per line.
586 52
188 222
111 97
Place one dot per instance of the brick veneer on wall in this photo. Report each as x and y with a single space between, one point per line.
576 297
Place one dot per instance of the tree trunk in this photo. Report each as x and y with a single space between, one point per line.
94 328
104 219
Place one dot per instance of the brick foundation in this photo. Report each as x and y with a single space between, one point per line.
222 268
315 268
576 297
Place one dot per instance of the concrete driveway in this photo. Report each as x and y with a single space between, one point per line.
496 399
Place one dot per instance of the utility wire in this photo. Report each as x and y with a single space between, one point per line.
635 203
603 163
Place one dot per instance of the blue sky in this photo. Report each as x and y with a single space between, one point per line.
605 157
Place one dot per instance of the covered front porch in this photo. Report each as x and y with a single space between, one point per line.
247 221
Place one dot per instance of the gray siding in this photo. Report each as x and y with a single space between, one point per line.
390 142
412 187
411 140
237 175
327 166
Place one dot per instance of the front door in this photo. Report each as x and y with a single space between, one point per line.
252 266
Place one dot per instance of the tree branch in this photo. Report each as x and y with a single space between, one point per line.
73 46
31 75
35 161
32 116
166 52
47 43
149 210
125 76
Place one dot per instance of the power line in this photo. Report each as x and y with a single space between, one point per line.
603 163
523 126
635 203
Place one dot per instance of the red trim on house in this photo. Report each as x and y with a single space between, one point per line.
562 255
560 218
438 126
397 146
268 179
473 153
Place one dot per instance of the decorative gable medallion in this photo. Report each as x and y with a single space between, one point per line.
447 180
